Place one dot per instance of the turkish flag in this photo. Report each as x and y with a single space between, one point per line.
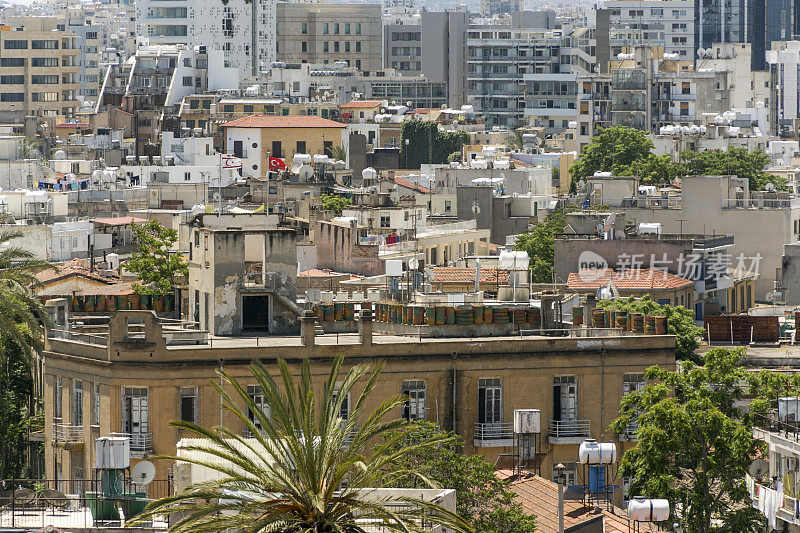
276 163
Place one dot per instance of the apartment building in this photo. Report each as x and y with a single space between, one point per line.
88 42
128 381
402 47
327 33
242 30
668 24
39 68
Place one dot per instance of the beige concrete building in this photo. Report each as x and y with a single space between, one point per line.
138 374
38 68
327 33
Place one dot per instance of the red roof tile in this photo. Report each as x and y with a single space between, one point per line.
628 280
266 121
539 496
106 285
119 221
361 104
467 275
410 185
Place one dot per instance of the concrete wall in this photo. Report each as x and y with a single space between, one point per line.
338 249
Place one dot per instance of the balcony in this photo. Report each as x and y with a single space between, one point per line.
67 434
259 281
568 431
629 434
493 434
141 443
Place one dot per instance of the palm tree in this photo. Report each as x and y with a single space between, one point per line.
514 141
339 153
305 468
22 315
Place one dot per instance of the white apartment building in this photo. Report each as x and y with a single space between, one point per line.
244 31
653 23
784 64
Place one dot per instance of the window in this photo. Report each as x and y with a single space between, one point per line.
347 46
58 396
570 474
44 44
135 416
187 61
187 176
358 28
276 149
247 108
304 46
12 62
414 408
77 402
344 408
188 404
304 28
335 46
227 108
301 147
194 104
565 398
358 46
44 97
14 44
90 35
490 401
187 81
347 28
12 97
325 46
96 405
686 87
44 79
12 79
257 397
385 221
325 28
447 206
336 28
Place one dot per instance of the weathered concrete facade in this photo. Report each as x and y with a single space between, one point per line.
338 248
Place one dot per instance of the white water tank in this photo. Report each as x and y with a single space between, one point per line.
527 421
368 173
648 510
592 452
112 453
113 261
302 158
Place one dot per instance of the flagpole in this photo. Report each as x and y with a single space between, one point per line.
219 194
269 169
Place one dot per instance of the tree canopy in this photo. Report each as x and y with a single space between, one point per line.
154 261
694 443
428 144
481 497
538 242
680 321
627 152
335 203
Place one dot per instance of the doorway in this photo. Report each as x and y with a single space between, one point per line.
255 313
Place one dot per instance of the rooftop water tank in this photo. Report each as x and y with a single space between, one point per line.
112 453
592 452
648 510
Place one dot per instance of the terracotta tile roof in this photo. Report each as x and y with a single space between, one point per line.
539 496
410 185
119 221
324 273
106 285
467 275
266 121
361 104
628 280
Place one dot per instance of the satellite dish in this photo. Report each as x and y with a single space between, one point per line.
216 196
295 168
770 187
758 468
143 473
394 196
305 172
413 263
476 209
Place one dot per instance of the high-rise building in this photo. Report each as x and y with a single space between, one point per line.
244 31
444 52
38 68
402 47
666 23
327 33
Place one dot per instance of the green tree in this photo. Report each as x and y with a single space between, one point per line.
339 153
694 444
154 261
613 150
481 497
656 169
427 144
680 321
17 413
306 467
334 202
538 242
733 161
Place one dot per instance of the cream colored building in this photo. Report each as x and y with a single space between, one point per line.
38 68
139 374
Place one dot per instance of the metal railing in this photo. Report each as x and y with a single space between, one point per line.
67 433
141 443
87 338
569 428
493 430
760 203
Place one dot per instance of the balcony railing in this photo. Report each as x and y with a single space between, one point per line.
488 432
630 431
67 434
259 280
569 428
141 443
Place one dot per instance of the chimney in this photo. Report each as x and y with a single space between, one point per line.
307 322
365 327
